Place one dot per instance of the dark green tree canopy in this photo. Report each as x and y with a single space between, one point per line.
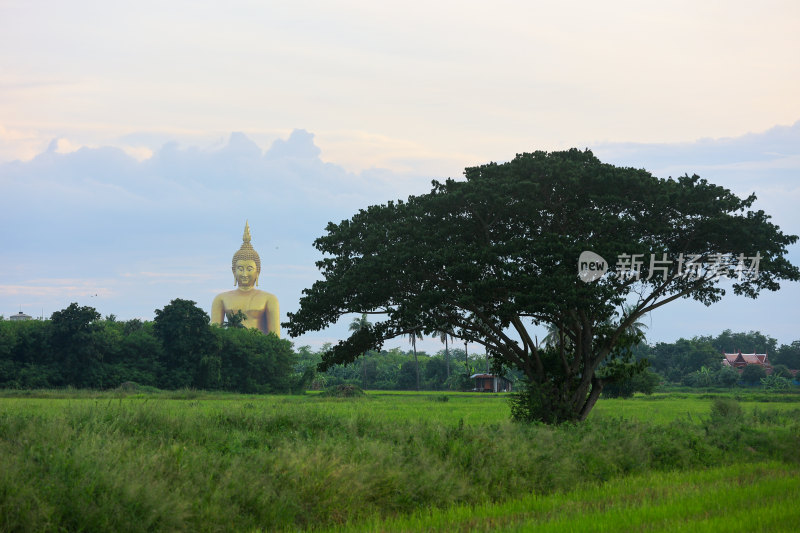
73 341
752 374
73 322
488 257
181 325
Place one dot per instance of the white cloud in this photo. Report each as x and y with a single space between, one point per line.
166 225
139 153
65 146
19 144
171 277
55 288
141 232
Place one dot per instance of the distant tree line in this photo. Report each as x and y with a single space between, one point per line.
697 362
396 369
178 349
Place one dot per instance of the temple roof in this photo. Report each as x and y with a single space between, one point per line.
745 358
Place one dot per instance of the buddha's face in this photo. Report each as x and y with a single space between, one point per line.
246 274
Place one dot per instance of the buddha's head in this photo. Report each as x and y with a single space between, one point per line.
246 265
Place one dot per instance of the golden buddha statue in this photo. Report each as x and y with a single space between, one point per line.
260 308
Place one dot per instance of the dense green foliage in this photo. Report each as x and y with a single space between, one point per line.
696 362
397 370
753 374
107 353
487 258
788 355
644 382
178 349
194 461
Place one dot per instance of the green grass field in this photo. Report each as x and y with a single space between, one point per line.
193 461
714 499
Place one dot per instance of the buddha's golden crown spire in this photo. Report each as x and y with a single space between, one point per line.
246 252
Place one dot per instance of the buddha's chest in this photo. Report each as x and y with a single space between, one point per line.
251 304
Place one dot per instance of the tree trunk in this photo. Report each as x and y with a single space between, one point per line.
364 365
416 362
446 357
597 388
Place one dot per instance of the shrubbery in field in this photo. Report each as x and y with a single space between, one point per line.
343 391
776 383
644 382
753 374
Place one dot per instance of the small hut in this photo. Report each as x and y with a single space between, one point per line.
490 383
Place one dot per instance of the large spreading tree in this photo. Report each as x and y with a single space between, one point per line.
489 257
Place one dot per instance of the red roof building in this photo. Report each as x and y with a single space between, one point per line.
741 360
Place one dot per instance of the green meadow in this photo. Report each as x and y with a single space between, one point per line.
194 461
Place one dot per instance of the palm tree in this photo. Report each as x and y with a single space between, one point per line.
235 320
634 328
412 338
444 335
357 325
553 337
360 323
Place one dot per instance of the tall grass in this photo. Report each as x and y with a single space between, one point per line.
222 462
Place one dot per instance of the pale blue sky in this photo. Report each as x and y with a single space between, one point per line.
381 97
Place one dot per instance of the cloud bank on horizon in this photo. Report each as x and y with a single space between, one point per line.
126 234
122 188
399 81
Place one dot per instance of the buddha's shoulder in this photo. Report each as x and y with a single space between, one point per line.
223 296
265 296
